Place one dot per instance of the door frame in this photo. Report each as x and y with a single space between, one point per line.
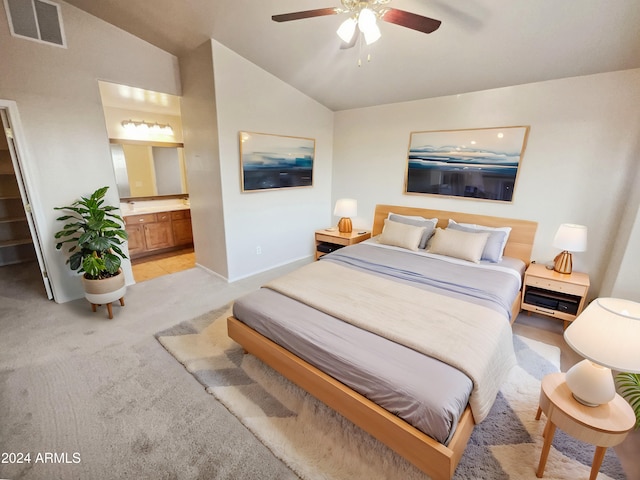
12 129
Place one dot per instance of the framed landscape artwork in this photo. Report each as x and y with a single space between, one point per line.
273 161
473 163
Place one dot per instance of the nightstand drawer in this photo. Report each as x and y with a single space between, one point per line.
556 286
332 239
566 317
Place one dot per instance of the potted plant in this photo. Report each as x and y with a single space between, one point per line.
629 387
93 237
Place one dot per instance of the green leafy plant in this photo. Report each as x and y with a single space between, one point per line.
93 237
629 388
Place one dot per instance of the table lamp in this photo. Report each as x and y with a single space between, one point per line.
569 238
607 334
345 208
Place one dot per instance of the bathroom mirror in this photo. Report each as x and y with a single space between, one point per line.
149 170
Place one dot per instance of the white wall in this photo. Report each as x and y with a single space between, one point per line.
622 278
280 222
581 151
202 158
57 95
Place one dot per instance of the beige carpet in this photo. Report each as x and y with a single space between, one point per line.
73 381
316 443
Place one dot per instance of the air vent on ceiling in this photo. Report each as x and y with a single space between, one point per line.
38 20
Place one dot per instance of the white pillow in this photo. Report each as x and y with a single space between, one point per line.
458 244
401 235
498 236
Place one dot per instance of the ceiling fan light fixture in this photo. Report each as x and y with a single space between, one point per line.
366 20
365 14
372 34
347 29
367 24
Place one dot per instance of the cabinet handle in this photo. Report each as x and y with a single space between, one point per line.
141 220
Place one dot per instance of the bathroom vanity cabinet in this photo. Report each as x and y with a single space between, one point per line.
152 233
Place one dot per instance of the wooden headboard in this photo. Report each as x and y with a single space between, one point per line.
519 244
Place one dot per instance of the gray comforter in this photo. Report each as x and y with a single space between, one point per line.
422 390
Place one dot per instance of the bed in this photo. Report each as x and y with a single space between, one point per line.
307 325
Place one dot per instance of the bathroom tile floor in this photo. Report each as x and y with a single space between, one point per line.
154 266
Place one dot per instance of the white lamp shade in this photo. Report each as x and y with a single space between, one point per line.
368 26
366 19
347 29
372 34
346 207
571 237
607 332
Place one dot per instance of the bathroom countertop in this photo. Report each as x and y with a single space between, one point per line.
127 211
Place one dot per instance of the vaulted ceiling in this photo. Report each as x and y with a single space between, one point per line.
481 44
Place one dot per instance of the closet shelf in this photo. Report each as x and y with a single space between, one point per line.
13 219
15 242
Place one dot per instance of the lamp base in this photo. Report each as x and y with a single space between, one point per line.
591 384
584 402
344 225
563 262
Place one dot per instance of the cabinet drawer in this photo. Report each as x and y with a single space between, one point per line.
163 217
556 286
138 219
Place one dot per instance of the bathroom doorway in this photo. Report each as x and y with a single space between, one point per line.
145 134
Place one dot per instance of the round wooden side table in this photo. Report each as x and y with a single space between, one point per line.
603 426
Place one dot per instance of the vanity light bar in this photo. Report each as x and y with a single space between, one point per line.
143 126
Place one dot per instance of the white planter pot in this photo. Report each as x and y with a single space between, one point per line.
105 291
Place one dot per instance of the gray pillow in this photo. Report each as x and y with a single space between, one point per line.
495 243
429 225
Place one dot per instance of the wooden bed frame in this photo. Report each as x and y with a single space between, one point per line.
436 460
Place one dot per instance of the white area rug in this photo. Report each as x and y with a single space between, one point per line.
317 443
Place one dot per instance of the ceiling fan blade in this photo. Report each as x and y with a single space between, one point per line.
411 20
320 12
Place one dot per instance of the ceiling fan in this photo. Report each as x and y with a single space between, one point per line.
364 14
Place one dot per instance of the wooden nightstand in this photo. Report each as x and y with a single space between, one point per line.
555 294
604 426
337 239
